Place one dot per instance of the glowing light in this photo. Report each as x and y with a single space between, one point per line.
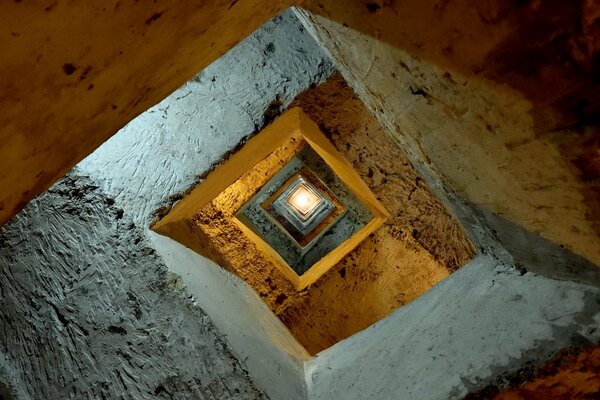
303 200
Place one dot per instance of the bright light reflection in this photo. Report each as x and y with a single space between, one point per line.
303 200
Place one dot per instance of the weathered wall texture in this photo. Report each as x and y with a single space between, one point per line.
376 157
166 151
89 311
505 309
479 139
160 155
87 306
273 358
545 49
419 245
567 376
73 73
475 328
96 269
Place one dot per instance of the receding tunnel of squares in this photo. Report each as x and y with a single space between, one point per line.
302 243
302 234
305 202
285 206
319 224
301 206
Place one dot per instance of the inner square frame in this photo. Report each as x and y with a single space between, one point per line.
300 259
304 236
293 190
305 222
294 122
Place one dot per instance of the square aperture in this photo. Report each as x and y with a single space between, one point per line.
304 236
301 207
356 252
304 199
311 211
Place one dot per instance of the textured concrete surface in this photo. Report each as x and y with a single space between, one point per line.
90 311
383 165
64 66
472 329
509 307
478 138
547 50
167 150
73 73
569 376
274 358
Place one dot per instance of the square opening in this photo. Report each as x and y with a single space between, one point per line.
406 243
304 199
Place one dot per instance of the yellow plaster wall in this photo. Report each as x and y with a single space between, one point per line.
74 72
545 49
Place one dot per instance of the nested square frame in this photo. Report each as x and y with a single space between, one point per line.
291 123
303 232
352 217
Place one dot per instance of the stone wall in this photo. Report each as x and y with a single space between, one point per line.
64 66
72 75
480 139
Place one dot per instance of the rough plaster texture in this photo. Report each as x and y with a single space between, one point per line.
383 165
482 322
493 316
167 150
576 376
545 49
419 244
477 138
73 73
258 337
90 311
68 95
500 341
164 152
